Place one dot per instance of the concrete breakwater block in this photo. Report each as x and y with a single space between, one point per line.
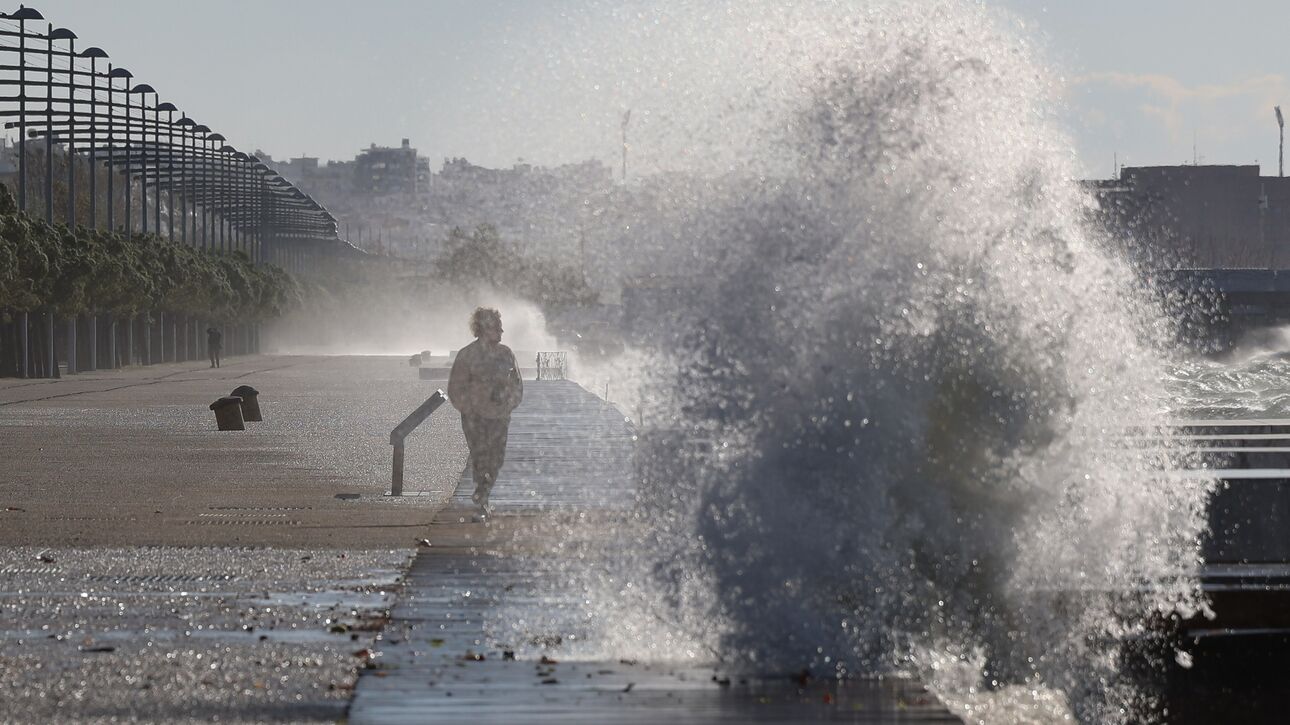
228 413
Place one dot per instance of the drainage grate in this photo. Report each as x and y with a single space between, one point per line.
19 571
244 522
87 518
160 578
259 508
246 515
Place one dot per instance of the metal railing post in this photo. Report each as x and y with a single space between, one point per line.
396 478
401 432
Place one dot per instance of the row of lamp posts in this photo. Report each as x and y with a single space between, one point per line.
228 200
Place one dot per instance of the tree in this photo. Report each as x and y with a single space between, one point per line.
481 256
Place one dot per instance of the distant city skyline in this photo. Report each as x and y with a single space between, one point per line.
1147 82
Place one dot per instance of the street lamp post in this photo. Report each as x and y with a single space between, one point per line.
170 109
94 53
70 139
156 163
215 184
69 155
203 178
22 16
185 124
142 89
49 135
241 205
113 74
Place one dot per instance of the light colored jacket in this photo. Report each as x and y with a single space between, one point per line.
485 381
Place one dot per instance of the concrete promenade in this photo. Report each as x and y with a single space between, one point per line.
132 457
153 569
483 625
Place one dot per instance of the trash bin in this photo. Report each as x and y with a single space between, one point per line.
250 403
228 413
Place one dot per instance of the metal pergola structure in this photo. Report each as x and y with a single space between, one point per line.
145 167
192 185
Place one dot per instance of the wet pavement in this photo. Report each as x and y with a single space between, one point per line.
153 569
163 634
485 628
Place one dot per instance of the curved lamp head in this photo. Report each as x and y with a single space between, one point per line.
120 73
93 52
215 137
202 128
25 13
226 149
61 34
167 106
186 121
142 88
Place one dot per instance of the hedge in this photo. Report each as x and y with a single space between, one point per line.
74 271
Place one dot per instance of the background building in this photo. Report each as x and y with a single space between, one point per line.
1226 217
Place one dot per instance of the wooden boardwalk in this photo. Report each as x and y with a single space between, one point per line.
567 450
567 475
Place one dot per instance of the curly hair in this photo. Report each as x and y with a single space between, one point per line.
481 317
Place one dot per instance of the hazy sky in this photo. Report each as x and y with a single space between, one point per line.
546 81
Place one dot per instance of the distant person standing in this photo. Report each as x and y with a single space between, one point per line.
485 386
214 344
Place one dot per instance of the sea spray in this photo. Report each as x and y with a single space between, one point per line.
880 436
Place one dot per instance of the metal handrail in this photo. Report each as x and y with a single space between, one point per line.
402 430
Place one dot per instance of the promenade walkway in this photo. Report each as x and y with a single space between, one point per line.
444 655
131 457
155 569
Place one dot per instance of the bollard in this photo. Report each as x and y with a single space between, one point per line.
415 361
250 403
228 413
